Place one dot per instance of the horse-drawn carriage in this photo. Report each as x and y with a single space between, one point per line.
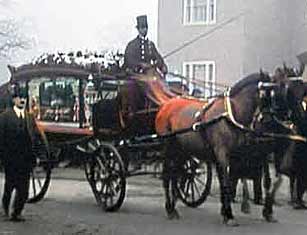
119 121
106 117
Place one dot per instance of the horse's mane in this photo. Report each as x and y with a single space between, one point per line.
156 90
249 80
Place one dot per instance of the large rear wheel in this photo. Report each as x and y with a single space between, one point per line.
41 173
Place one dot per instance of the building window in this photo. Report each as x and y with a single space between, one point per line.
199 11
201 77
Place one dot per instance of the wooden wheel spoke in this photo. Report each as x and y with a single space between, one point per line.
39 182
41 173
108 196
199 181
111 197
112 188
192 190
197 189
186 192
33 184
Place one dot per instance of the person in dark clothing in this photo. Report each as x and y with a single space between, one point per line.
141 51
299 171
17 128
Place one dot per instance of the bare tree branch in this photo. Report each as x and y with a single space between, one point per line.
12 38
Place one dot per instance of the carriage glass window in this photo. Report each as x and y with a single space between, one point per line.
201 78
199 11
94 92
54 99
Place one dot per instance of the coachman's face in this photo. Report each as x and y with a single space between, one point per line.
20 102
143 31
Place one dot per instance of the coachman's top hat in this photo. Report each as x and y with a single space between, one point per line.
141 21
16 91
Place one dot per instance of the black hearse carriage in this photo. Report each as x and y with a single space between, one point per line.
63 94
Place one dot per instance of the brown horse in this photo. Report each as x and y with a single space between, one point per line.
227 131
296 170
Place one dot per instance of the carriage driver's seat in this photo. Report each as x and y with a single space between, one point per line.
106 120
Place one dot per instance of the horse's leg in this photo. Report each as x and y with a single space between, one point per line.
245 206
169 190
299 193
233 182
276 186
267 211
258 189
226 195
292 189
174 194
166 186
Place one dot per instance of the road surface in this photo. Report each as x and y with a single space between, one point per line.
70 208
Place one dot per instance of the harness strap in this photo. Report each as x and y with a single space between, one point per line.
228 110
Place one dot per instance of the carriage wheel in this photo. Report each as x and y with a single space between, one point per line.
41 174
195 184
105 172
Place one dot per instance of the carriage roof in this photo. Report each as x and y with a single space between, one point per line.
52 65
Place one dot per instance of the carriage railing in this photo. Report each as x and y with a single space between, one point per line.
216 88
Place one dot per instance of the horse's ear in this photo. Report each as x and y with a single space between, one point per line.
285 66
279 71
301 69
263 74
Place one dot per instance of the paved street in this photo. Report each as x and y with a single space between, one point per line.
70 208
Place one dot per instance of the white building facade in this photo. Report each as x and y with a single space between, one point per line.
226 40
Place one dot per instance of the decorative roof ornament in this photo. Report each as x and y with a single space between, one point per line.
94 62
302 57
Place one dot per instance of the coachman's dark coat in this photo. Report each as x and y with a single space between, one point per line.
16 142
140 51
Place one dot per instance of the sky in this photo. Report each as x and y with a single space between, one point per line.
64 25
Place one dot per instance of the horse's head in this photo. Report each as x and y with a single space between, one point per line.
289 93
152 82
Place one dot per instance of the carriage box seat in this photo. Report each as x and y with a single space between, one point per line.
106 117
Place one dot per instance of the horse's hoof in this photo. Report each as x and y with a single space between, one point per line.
270 219
234 201
173 215
258 202
299 206
245 208
277 204
231 222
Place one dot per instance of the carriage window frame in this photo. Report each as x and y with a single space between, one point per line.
35 85
190 10
209 76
